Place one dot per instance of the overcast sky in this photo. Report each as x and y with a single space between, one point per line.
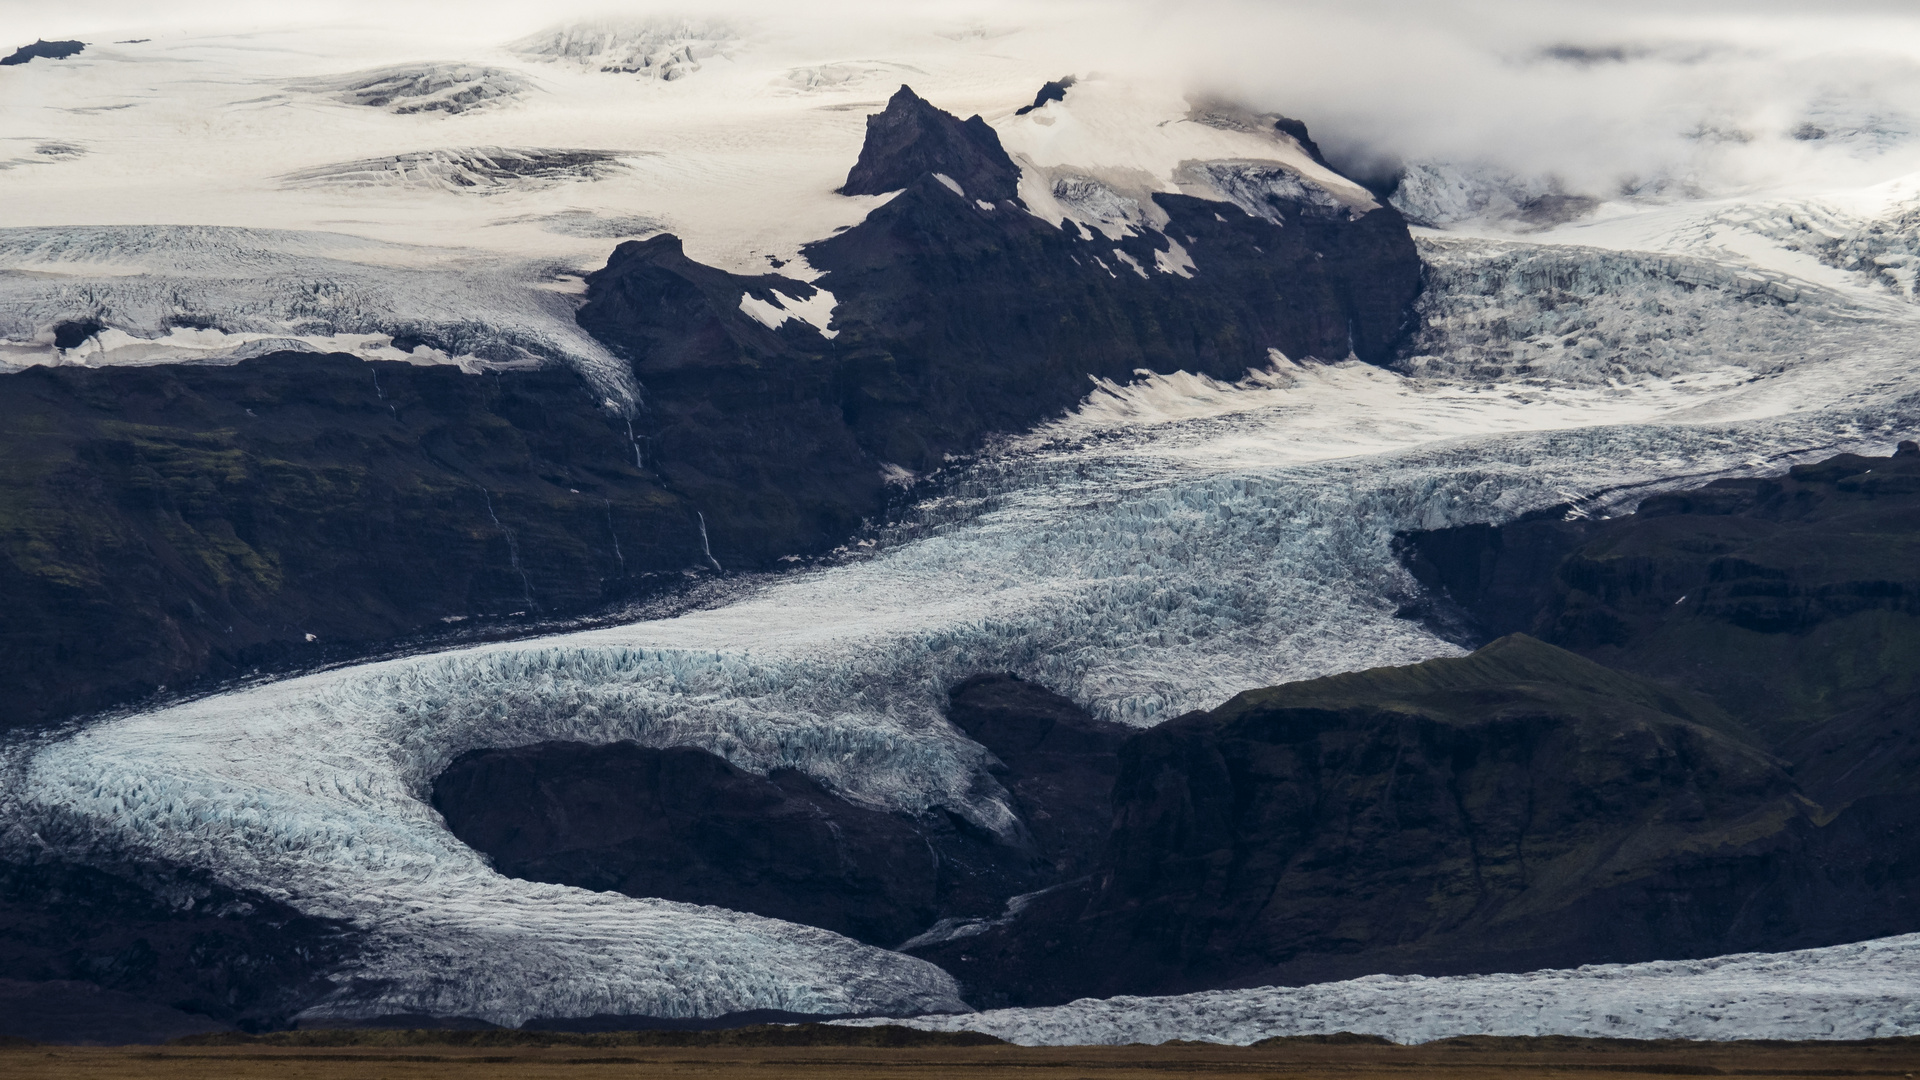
1709 92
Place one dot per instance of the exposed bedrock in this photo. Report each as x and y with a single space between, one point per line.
683 824
142 954
1793 600
161 525
43 50
1517 809
956 314
912 138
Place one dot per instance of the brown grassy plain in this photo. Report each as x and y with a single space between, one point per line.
1455 1059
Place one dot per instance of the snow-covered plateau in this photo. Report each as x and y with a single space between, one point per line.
1169 543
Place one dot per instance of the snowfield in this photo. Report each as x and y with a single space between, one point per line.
1172 542
1865 991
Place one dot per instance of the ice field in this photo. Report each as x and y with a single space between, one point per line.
1172 542
1169 543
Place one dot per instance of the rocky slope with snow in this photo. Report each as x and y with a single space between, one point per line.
1144 433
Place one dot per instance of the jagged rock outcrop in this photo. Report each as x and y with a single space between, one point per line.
957 314
43 49
1051 90
682 824
911 138
161 525
1517 809
740 418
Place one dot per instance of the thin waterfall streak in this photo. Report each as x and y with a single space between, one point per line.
513 551
704 546
616 538
383 393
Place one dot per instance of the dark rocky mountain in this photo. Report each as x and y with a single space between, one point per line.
167 524
177 525
43 50
912 139
1516 809
683 824
958 315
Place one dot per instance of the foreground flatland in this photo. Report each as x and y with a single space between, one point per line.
1515 1058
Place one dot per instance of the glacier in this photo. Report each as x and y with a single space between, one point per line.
1171 542
1865 991
1174 540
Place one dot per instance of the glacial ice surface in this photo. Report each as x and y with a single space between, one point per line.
191 293
1865 991
1173 541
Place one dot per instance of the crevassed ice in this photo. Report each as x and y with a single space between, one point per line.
1175 541
1865 991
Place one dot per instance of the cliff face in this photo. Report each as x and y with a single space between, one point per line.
1517 809
1793 601
165 524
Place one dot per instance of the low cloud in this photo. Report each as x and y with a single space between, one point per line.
1705 96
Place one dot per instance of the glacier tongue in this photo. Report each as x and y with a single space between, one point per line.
1173 542
1865 991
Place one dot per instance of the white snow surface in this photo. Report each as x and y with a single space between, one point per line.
816 310
369 149
1865 991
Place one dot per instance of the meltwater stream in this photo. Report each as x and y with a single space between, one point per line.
1173 542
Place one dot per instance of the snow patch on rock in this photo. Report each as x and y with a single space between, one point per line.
816 310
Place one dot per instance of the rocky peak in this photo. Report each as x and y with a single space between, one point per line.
43 49
912 139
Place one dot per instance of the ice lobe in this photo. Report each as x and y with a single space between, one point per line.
1865 991
912 138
